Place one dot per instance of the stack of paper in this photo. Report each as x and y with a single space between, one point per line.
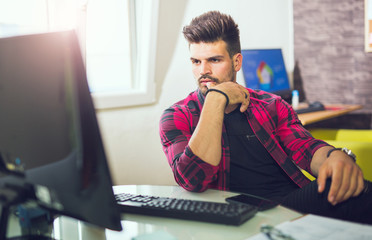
312 227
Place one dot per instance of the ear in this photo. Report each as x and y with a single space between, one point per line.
237 61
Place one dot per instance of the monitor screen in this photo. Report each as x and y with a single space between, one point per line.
48 125
265 69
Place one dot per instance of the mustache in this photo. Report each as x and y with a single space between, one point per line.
209 77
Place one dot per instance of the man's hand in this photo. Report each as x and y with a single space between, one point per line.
237 94
347 177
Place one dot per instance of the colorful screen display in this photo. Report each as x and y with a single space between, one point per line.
265 69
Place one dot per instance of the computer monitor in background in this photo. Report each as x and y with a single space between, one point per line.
48 126
265 69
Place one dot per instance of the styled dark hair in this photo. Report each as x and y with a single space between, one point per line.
214 26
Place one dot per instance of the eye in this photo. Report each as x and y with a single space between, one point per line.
215 60
195 61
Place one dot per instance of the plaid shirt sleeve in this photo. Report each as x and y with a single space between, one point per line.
296 141
277 126
176 127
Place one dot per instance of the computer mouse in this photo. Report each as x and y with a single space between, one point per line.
316 104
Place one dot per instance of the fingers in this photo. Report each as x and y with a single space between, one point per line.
338 187
237 93
353 186
324 173
210 84
321 179
347 181
356 185
361 186
245 102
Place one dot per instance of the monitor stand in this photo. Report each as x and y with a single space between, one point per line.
35 222
16 194
43 233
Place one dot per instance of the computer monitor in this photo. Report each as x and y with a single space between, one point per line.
265 69
48 126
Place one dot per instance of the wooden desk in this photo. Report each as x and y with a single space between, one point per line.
153 227
331 111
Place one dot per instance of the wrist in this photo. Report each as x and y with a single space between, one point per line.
345 150
219 92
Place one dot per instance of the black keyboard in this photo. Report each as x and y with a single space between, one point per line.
222 213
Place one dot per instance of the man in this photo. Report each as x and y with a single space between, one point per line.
229 137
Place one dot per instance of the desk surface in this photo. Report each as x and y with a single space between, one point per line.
138 225
331 111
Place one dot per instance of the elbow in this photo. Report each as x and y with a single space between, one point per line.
193 188
190 185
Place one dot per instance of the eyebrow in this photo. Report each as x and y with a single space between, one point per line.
210 58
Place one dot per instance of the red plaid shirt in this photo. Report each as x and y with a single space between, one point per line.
273 121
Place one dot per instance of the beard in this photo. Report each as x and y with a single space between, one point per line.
229 78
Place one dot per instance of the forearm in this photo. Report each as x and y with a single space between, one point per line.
177 125
319 157
205 142
190 172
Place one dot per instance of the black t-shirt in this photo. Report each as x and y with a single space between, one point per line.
252 169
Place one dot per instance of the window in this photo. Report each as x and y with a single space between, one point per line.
118 41
32 17
108 51
118 85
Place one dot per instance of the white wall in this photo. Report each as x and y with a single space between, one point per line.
131 134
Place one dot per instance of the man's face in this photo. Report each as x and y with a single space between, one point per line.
211 63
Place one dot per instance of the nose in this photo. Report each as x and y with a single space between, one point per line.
205 68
